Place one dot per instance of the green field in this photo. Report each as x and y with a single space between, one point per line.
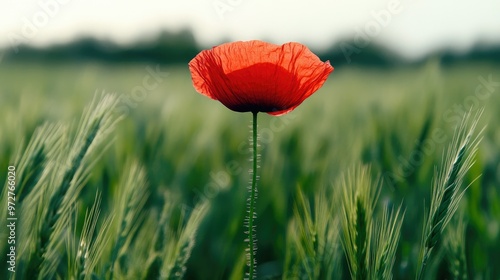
173 172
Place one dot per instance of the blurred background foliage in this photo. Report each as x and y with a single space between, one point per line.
377 110
181 46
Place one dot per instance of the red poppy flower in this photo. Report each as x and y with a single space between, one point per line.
256 76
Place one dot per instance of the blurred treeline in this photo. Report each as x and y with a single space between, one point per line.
180 47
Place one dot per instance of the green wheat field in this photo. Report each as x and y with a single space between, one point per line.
123 171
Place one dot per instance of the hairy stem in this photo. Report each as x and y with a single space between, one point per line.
251 204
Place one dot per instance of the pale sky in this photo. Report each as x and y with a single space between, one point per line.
410 27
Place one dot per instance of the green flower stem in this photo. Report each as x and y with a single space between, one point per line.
251 211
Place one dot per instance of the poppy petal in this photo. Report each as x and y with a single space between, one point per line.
258 76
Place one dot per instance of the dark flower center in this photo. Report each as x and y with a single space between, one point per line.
262 87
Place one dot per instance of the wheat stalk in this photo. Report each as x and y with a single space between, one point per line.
84 253
446 190
386 234
454 242
60 184
132 197
180 244
358 197
312 238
